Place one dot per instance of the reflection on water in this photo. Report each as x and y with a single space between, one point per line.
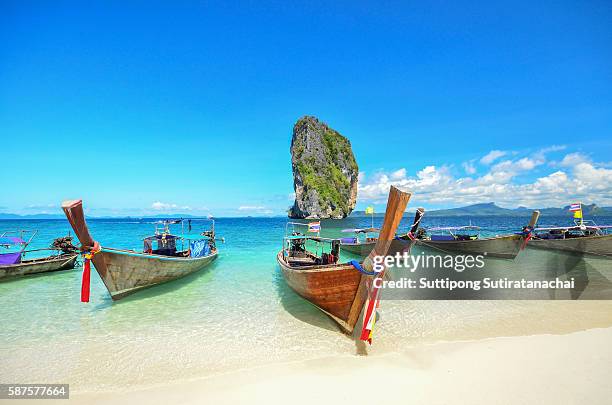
239 312
591 275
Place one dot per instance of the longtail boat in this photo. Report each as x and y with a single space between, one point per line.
467 239
338 289
584 237
14 250
127 271
362 243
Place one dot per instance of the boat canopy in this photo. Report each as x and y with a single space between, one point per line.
362 230
454 228
573 228
162 236
314 238
11 240
295 237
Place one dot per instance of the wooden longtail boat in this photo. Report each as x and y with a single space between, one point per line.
13 264
466 239
127 271
338 289
363 247
584 237
362 243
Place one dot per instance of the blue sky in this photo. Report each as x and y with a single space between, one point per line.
149 108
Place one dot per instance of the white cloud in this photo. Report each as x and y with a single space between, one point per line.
582 180
398 174
553 148
161 206
572 159
251 208
492 156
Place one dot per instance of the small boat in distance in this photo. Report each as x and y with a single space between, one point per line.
165 256
584 237
12 256
467 239
362 243
338 289
363 246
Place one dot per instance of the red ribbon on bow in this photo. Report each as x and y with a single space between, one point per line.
86 281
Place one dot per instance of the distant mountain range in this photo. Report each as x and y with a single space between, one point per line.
475 210
32 216
62 216
491 209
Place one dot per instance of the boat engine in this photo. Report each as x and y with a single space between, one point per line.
64 244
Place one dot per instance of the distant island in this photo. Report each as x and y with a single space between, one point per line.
475 210
324 171
62 216
491 209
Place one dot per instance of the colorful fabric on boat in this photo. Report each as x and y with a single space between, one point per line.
442 237
369 210
10 258
575 207
11 240
148 246
578 214
199 248
369 319
314 227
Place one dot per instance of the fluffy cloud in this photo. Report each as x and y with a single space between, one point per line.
398 174
574 159
161 206
251 207
579 179
256 209
492 156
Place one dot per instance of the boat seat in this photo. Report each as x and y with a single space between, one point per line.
301 261
442 237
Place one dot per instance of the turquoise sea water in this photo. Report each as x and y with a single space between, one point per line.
236 313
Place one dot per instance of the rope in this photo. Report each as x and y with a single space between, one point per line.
358 266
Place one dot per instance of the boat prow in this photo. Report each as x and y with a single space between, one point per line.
338 289
126 271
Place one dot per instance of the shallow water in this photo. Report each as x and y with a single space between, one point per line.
236 313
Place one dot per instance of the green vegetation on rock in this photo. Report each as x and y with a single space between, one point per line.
324 171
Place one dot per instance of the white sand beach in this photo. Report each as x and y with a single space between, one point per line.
541 369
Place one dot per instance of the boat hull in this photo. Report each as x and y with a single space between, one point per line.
129 271
595 245
36 266
337 290
505 247
358 249
364 249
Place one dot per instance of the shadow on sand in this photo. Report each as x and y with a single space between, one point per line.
300 308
